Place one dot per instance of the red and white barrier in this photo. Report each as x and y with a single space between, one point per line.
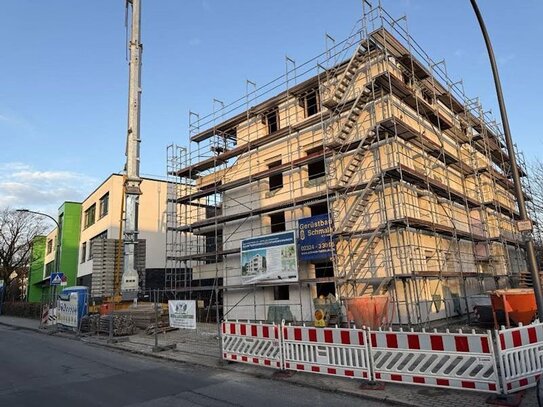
452 360
520 355
466 361
330 351
257 344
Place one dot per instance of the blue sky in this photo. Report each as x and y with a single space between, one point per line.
63 74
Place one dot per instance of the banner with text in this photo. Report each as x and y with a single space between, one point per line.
269 258
314 238
68 310
182 314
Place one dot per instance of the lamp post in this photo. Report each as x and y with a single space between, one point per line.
57 250
530 249
57 247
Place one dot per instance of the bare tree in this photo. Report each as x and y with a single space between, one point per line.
17 230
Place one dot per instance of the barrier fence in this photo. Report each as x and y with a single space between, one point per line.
457 360
520 356
330 351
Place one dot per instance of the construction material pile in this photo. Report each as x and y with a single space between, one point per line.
144 315
120 324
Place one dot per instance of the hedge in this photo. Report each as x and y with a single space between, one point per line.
22 309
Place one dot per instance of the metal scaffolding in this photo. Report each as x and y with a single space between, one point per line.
413 175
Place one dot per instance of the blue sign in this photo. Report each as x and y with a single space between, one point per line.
314 238
56 278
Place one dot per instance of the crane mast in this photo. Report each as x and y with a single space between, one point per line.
132 191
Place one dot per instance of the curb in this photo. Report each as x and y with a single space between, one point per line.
220 366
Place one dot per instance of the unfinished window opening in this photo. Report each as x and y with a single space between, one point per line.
272 120
281 292
319 208
324 270
276 180
316 169
213 244
278 223
311 104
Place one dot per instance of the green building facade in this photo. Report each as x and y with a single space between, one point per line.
35 272
69 219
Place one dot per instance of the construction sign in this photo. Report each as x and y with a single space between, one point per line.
182 314
314 238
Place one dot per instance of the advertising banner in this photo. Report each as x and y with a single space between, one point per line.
68 310
269 258
314 240
182 314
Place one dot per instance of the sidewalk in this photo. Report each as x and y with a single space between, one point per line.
193 349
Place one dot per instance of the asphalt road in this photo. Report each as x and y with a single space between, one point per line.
41 370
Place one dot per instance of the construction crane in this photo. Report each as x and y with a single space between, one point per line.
132 180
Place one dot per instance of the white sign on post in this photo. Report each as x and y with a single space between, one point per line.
182 314
67 311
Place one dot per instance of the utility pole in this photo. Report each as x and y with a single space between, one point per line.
519 194
130 279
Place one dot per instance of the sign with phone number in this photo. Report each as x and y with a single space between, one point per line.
314 238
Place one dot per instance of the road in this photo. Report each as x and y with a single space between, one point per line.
42 370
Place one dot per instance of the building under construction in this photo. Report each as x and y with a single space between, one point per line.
372 140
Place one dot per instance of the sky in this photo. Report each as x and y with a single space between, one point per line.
64 74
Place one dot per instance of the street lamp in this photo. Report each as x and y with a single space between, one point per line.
530 250
57 248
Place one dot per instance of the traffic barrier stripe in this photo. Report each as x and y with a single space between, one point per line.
520 352
256 344
521 336
329 351
453 360
440 342
334 336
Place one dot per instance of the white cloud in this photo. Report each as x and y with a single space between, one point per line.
22 186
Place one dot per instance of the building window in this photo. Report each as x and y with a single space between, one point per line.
104 205
49 246
281 292
100 236
272 120
49 268
311 104
316 169
90 216
84 252
277 221
276 180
